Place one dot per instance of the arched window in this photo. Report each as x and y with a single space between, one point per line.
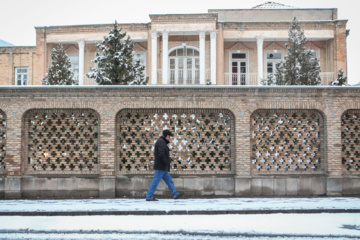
184 66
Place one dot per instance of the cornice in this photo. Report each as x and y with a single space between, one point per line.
328 25
184 18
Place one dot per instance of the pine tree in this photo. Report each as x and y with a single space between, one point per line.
114 59
340 80
59 72
299 67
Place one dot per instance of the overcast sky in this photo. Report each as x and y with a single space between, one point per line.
19 17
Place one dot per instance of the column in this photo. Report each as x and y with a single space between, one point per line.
260 42
213 57
81 62
153 58
202 57
165 55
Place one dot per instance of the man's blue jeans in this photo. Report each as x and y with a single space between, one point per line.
158 175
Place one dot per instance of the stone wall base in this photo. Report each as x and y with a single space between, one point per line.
195 186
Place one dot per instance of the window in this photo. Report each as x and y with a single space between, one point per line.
140 56
239 68
184 64
74 60
270 61
21 76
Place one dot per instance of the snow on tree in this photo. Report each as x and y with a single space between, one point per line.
59 72
300 67
115 61
340 80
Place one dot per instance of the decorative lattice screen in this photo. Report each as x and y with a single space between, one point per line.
203 140
350 139
2 141
63 141
286 141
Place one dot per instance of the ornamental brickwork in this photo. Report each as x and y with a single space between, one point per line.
287 141
61 141
350 139
203 141
2 142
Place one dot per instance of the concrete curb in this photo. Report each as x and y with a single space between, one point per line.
178 212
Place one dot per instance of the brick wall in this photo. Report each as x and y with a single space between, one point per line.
242 102
12 57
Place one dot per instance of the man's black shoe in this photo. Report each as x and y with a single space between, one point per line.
152 199
179 195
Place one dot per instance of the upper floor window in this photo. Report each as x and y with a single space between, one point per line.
239 68
184 66
74 60
270 61
21 76
140 56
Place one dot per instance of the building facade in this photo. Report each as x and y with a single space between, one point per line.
221 47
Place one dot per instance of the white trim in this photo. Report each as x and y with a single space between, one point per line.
81 62
260 50
22 76
179 47
202 56
154 58
213 56
165 55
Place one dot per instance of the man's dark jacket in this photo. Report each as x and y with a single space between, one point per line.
162 156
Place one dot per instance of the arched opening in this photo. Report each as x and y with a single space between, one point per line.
184 66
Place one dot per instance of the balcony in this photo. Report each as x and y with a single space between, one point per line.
192 77
241 79
252 79
183 76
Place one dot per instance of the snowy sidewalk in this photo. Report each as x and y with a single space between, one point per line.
214 206
236 218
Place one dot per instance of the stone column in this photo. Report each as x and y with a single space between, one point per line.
81 62
153 58
165 36
202 57
260 42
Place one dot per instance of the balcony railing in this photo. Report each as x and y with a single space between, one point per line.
191 77
182 76
327 78
240 79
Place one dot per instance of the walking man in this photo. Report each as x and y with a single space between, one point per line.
162 167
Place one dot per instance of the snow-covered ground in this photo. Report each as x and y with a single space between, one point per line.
175 227
167 205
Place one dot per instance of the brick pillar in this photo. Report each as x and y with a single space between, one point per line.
41 59
340 47
220 58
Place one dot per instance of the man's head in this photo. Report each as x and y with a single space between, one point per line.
167 134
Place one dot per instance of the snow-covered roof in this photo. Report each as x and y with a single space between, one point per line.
274 5
5 44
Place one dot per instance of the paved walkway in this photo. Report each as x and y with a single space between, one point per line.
212 206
